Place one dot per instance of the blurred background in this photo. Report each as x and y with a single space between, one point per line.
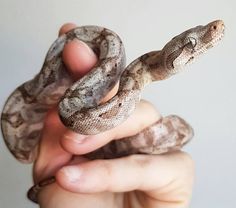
204 95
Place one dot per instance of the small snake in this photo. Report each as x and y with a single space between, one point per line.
80 108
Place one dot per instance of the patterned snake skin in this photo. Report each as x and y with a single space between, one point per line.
79 105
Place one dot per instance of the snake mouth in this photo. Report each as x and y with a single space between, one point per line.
216 31
213 42
216 38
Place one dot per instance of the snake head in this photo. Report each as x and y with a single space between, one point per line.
186 47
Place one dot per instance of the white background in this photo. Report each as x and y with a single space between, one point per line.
204 95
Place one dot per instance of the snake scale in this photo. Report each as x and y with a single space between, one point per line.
79 102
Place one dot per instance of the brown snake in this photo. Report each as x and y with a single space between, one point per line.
79 102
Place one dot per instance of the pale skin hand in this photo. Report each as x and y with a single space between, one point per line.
136 181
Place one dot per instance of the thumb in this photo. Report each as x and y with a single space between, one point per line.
76 55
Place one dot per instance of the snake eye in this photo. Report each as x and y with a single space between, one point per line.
193 41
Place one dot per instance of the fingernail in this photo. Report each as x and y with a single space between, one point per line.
74 137
89 50
72 173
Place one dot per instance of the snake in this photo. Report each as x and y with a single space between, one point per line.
79 101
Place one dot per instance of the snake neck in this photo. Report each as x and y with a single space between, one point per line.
153 62
143 71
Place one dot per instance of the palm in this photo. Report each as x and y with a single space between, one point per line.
52 157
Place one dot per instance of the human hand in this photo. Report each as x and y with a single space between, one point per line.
133 181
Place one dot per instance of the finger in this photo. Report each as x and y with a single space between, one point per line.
167 176
144 115
66 27
79 58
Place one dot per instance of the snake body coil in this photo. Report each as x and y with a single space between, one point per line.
80 107
79 102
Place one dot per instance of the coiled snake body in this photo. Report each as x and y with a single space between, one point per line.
79 102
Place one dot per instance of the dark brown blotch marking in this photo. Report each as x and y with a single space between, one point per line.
111 113
28 98
14 119
34 135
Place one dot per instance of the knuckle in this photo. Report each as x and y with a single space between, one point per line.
187 166
187 160
139 161
106 168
